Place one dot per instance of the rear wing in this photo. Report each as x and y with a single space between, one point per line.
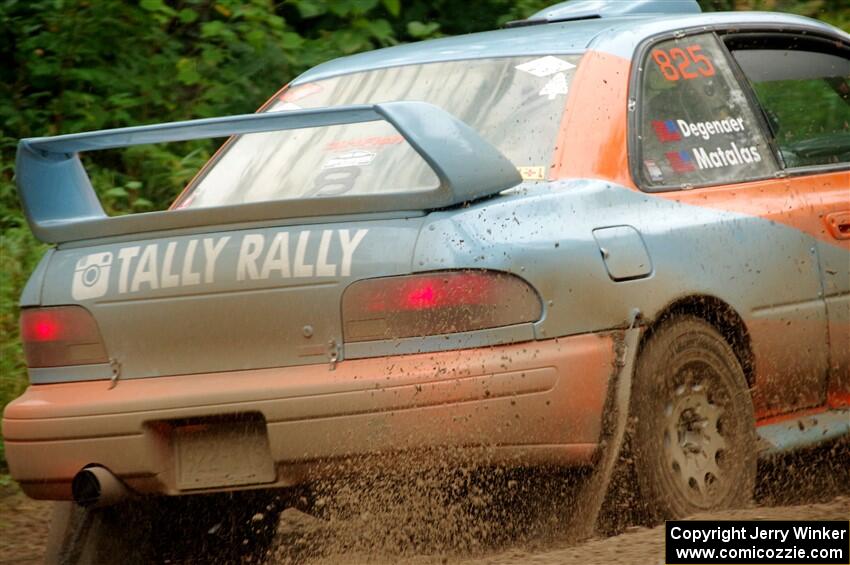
60 203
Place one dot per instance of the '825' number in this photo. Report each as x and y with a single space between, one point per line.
675 63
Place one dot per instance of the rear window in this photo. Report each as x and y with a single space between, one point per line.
516 104
697 127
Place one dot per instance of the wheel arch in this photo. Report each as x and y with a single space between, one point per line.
721 315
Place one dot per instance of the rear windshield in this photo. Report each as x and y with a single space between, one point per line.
516 104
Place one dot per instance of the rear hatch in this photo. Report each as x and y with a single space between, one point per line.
227 300
250 274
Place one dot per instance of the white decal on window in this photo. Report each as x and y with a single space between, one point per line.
726 157
707 129
545 66
557 85
356 158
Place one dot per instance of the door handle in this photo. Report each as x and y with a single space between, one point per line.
838 224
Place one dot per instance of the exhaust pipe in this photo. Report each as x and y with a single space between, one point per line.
96 487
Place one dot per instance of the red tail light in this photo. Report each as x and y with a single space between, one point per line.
59 336
436 303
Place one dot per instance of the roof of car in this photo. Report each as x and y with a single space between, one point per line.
616 35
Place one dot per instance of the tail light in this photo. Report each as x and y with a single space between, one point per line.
436 303
59 336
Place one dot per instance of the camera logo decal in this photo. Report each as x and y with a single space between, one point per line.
91 276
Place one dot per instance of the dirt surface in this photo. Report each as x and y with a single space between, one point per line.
646 545
455 515
23 525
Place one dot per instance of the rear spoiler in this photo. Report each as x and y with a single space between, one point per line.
60 203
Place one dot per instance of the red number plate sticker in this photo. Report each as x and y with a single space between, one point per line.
683 63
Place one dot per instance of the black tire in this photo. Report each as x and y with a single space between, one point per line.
119 533
217 528
693 435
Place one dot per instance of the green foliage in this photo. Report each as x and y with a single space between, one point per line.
835 12
77 65
19 254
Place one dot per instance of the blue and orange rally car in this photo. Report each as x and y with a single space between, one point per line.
472 241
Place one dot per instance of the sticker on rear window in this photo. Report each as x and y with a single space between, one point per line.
655 172
374 141
697 125
666 131
532 173
680 161
354 158
296 93
683 63
556 86
545 66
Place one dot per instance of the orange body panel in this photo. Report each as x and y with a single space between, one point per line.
535 403
593 143
799 202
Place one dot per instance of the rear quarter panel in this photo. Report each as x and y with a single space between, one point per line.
765 270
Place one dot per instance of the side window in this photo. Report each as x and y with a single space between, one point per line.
696 124
805 96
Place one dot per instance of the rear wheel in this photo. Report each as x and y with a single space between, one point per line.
694 435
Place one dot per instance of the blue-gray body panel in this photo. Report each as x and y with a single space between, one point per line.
31 295
617 35
623 252
581 9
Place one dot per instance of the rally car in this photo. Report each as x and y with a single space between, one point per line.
471 241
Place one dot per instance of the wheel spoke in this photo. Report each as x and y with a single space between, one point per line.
714 442
709 463
712 413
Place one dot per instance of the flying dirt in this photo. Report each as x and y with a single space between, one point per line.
420 511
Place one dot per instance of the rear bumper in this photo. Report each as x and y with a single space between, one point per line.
531 403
